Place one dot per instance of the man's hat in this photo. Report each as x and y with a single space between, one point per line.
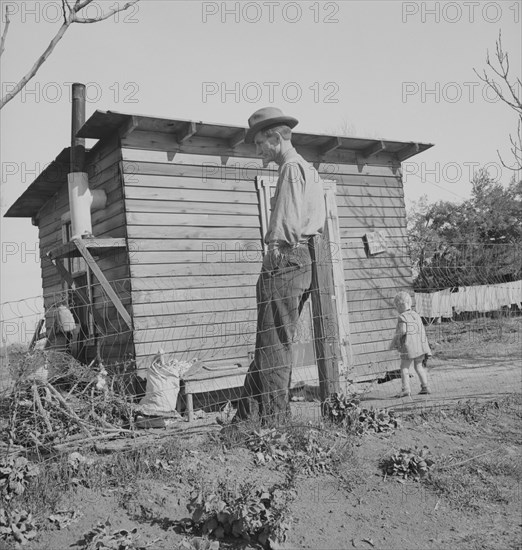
265 118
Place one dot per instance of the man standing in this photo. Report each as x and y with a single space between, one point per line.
297 214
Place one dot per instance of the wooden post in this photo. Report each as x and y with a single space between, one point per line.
333 236
190 407
324 318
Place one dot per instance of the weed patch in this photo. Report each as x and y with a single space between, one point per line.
347 412
102 537
255 513
17 525
410 464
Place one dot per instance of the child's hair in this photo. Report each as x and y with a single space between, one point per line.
402 298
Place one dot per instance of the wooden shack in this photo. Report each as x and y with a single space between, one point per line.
177 248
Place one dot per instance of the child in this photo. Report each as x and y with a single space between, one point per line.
411 342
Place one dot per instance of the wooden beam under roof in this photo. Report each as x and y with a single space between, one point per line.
189 129
374 149
331 145
407 151
237 138
128 127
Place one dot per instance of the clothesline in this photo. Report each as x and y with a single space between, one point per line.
482 298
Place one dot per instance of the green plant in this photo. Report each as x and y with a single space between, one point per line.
347 412
269 445
408 464
15 474
63 518
340 409
253 514
17 525
198 543
103 538
312 453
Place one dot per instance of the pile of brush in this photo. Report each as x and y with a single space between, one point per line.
58 403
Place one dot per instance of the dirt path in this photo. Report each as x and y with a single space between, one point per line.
451 383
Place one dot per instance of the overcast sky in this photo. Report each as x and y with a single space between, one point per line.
391 69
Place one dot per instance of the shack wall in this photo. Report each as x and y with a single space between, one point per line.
103 167
195 239
372 201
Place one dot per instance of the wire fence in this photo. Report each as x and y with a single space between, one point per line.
101 377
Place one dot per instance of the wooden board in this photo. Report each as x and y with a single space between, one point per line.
196 269
234 170
194 294
211 254
211 234
214 284
197 209
193 220
241 196
326 168
183 312
159 318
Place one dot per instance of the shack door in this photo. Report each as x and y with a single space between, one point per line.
305 369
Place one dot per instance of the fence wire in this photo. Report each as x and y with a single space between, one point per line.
184 354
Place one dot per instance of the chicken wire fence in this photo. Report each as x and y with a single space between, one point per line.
473 329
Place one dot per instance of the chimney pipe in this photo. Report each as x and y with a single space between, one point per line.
81 198
77 121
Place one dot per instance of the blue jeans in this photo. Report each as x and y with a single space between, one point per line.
281 291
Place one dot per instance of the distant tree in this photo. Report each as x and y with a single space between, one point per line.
71 14
475 242
509 90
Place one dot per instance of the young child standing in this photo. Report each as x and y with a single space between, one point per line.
411 342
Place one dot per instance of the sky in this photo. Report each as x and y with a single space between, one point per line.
391 69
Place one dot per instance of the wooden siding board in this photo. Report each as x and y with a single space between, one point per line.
195 270
183 309
326 169
193 220
173 282
165 206
144 232
192 295
151 192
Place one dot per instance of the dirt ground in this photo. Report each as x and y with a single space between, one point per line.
471 498
472 501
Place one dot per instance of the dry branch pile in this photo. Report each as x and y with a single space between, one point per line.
58 403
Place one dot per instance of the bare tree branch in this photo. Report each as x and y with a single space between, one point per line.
25 79
503 73
4 34
105 15
516 150
69 18
65 3
81 4
508 92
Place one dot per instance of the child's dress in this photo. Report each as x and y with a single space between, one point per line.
415 342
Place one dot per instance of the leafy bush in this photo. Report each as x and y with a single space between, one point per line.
346 411
408 464
16 525
101 538
253 514
15 474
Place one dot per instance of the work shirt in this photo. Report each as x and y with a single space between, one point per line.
297 208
